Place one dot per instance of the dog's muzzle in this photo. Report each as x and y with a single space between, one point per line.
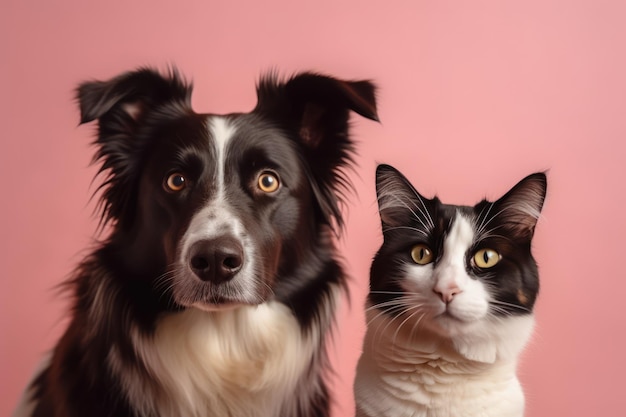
216 260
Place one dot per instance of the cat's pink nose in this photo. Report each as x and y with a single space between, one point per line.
447 292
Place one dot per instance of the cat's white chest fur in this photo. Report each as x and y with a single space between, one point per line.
401 375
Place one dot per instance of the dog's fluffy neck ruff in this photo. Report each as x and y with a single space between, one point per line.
236 362
247 361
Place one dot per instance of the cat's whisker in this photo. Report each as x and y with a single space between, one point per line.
503 303
386 292
480 229
413 229
389 320
396 292
482 223
396 316
427 213
414 295
486 222
490 235
388 323
388 311
501 314
398 301
417 310
480 215
416 324
395 334
483 230
405 205
424 214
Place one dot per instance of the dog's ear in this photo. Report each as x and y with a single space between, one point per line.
315 109
120 106
125 99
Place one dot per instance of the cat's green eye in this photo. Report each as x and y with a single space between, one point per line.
486 258
421 254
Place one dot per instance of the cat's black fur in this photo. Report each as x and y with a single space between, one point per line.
451 303
517 271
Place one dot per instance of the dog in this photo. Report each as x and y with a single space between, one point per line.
215 289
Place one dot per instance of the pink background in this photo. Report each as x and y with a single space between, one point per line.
473 96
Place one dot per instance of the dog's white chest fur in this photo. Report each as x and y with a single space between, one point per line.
244 362
408 378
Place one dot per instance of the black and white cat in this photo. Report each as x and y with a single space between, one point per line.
451 301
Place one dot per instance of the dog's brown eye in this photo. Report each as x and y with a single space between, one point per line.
268 182
175 182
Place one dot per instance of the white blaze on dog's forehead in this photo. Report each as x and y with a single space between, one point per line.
221 132
216 218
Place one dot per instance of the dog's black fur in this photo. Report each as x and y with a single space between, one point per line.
148 135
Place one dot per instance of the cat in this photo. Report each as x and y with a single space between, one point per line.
450 307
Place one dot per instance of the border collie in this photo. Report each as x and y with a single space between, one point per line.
216 287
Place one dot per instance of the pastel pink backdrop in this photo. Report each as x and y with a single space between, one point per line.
473 96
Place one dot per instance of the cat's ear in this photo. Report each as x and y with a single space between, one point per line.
521 206
399 204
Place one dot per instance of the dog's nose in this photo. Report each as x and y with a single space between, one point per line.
216 260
